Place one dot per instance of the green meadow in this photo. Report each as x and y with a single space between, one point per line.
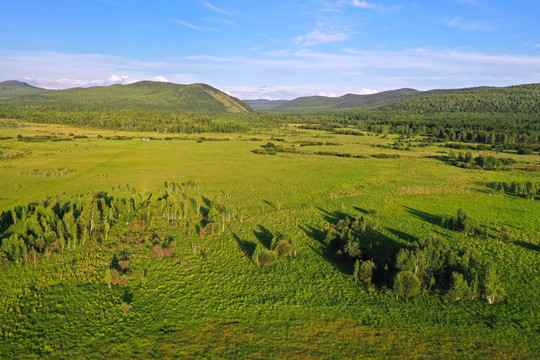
208 298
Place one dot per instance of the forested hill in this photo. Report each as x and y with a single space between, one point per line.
144 95
513 99
348 101
524 99
13 88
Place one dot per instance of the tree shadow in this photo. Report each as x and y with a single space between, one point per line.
270 204
264 236
430 218
444 159
374 245
527 245
326 252
359 209
207 202
246 246
333 217
403 236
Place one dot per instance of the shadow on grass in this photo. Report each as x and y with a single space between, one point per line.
527 245
326 252
403 236
270 204
246 246
430 218
359 209
374 246
264 236
442 158
333 217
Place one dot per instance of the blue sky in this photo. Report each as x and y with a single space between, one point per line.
272 49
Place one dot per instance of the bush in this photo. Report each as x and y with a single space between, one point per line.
284 248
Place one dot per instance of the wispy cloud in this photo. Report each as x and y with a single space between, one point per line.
285 74
364 5
288 91
465 25
321 36
215 8
369 5
63 83
468 2
187 24
216 20
160 78
192 26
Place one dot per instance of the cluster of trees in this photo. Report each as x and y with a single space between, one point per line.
278 247
470 128
28 232
134 120
510 131
462 223
527 189
425 265
485 162
338 154
272 149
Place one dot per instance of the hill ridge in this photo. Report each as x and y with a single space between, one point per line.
142 95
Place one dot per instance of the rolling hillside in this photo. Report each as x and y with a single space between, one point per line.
144 95
348 101
13 88
259 104
512 99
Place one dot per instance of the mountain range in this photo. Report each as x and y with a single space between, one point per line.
148 96
520 98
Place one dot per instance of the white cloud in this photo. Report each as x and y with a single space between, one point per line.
287 92
321 37
160 78
215 8
220 21
465 25
66 83
187 24
370 6
468 2
364 4
287 73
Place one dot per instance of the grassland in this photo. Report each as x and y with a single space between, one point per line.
209 299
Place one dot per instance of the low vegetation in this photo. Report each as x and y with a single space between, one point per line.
361 235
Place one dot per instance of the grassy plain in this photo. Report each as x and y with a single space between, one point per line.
210 300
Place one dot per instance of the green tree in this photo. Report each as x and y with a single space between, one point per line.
406 284
493 290
364 271
460 288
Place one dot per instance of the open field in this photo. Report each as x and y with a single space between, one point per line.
210 300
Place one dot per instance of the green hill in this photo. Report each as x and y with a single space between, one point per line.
512 99
13 88
144 95
260 104
348 101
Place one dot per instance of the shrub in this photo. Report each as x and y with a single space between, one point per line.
284 248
